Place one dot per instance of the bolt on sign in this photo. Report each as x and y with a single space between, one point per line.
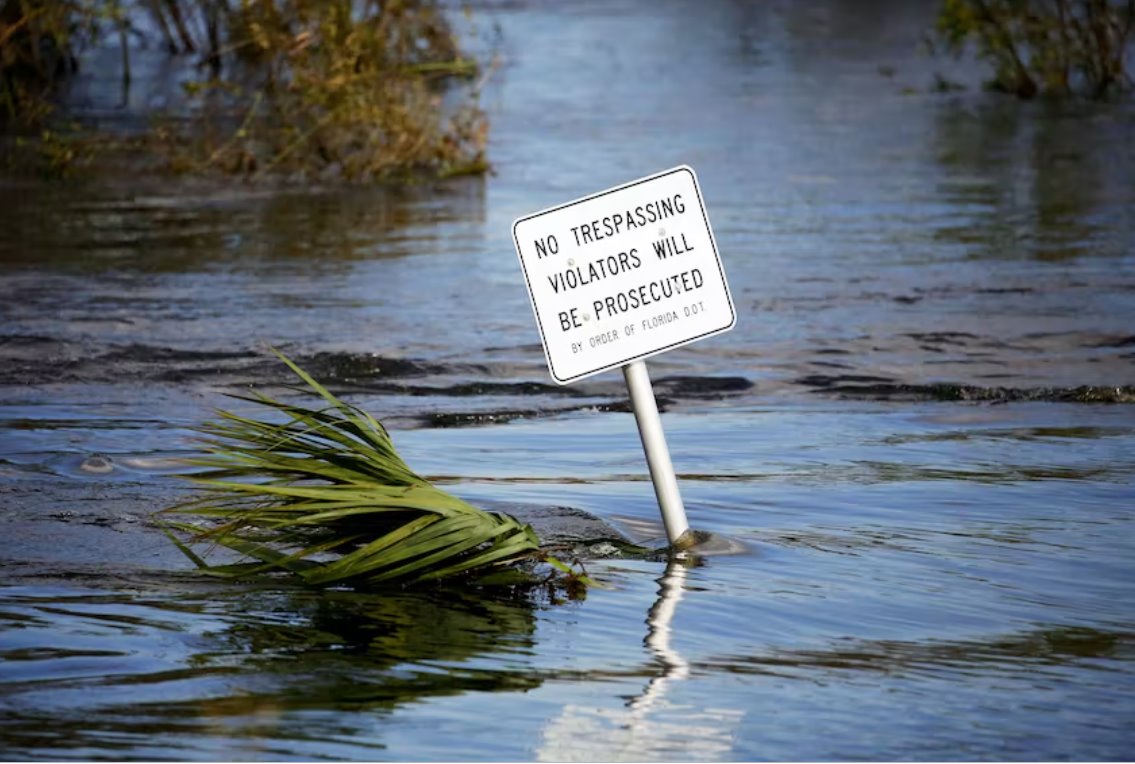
623 274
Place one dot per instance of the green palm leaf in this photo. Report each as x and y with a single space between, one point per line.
323 495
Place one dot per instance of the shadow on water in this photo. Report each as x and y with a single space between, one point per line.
1027 653
160 673
186 225
268 672
1039 181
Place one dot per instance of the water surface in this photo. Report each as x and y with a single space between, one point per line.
921 428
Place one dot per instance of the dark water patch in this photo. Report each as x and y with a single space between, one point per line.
91 423
1022 653
335 370
866 387
471 389
14 470
42 360
51 361
1117 342
136 353
873 472
1019 434
32 361
290 670
359 368
48 361
29 360
701 387
478 418
464 389
23 340
156 225
668 391
941 338
1005 290
503 416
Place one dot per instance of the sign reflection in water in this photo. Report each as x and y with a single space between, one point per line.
652 723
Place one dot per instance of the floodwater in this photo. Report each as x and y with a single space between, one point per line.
921 428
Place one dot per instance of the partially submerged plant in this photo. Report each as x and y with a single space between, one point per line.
326 90
324 495
330 90
1053 47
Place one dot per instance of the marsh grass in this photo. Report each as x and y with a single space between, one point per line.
306 90
338 89
321 494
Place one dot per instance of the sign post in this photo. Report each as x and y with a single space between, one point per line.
657 454
622 275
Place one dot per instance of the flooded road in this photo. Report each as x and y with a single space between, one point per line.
921 427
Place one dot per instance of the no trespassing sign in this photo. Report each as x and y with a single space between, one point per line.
623 274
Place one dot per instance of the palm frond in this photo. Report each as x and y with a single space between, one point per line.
321 493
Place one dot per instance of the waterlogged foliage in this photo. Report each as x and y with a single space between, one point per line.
332 88
308 89
324 496
1052 47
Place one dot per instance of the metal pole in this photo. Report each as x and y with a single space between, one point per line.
657 454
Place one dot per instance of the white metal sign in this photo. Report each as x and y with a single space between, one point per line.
623 274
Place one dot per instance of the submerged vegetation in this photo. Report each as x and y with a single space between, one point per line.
1045 47
324 496
323 89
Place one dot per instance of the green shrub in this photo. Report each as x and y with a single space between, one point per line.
1055 47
